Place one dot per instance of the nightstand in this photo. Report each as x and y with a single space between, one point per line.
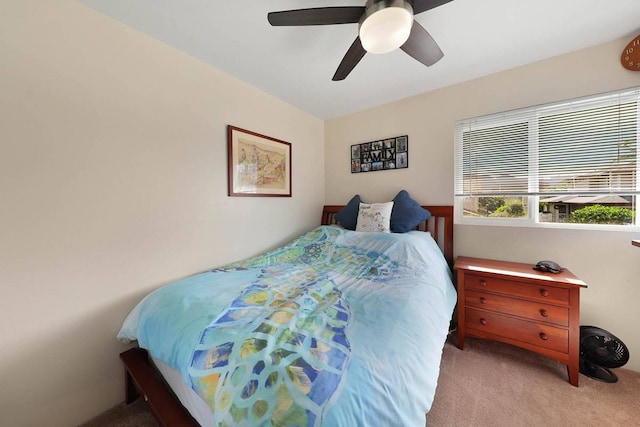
512 303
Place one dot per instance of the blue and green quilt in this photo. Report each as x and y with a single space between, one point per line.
338 328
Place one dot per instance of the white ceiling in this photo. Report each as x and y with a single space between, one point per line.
296 64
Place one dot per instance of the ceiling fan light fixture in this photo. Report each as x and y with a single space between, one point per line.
386 25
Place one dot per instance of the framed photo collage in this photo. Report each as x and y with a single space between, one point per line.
384 154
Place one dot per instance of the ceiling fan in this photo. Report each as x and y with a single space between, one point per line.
384 25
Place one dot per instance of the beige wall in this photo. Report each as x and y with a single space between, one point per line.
605 260
112 183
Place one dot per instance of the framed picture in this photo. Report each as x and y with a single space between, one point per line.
385 154
258 165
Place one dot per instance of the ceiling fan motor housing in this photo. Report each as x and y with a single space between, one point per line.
385 25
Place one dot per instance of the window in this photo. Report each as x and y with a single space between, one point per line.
568 162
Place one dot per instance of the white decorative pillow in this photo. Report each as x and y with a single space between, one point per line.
374 217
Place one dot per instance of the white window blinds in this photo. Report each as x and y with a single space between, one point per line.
586 146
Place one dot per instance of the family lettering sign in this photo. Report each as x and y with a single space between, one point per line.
385 154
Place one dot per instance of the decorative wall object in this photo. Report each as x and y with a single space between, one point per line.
384 154
259 166
630 58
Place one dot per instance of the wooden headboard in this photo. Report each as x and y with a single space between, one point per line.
440 225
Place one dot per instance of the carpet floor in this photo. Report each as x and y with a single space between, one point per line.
495 384
491 384
136 414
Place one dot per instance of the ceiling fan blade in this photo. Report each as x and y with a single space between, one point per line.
421 46
350 60
420 6
317 16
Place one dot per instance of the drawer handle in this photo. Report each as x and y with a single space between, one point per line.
483 282
543 336
544 292
544 313
483 321
483 300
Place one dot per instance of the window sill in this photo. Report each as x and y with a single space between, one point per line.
529 223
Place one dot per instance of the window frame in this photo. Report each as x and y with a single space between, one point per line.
532 115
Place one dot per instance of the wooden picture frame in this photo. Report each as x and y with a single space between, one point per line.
258 165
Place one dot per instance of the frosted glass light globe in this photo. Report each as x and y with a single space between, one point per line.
386 29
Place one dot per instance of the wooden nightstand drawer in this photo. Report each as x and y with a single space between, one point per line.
519 289
521 330
528 309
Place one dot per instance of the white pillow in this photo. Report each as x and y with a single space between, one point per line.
374 217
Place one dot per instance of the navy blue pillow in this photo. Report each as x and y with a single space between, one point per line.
406 213
348 216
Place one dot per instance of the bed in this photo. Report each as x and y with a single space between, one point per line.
337 328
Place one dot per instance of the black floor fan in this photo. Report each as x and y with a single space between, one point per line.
601 351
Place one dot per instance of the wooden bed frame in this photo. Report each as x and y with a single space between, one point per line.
143 379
